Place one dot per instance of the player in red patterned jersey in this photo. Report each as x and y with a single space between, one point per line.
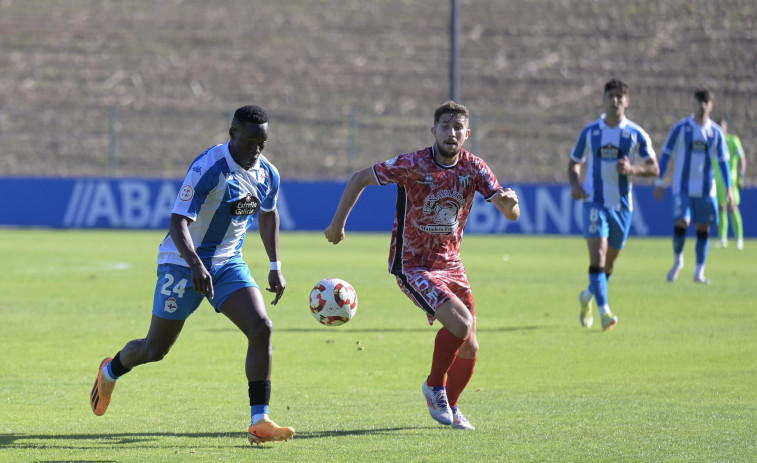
435 191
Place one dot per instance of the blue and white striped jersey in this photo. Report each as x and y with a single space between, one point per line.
222 199
603 146
693 147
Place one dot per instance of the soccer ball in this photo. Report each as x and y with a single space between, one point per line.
333 302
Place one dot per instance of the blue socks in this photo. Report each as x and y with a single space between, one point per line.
598 284
258 412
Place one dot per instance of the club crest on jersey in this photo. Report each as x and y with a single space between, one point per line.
609 152
186 193
699 145
245 206
170 305
444 211
260 175
465 180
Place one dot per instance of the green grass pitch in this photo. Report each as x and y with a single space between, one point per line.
675 381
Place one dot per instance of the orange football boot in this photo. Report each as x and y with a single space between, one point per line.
99 398
266 430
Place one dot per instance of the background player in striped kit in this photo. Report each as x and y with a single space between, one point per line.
694 144
435 191
225 188
609 146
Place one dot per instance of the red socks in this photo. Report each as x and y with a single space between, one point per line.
445 349
458 376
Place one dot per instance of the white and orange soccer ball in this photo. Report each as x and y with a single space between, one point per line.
333 302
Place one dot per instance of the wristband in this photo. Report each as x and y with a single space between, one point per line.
658 182
276 265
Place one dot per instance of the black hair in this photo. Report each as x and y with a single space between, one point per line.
704 95
450 106
252 114
616 84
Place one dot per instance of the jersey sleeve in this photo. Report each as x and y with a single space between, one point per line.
197 184
722 156
487 183
739 148
578 153
394 170
646 151
669 148
269 201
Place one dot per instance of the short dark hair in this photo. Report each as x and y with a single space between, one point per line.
251 113
450 106
704 95
616 84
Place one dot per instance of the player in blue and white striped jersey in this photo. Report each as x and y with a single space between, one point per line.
610 146
693 143
225 188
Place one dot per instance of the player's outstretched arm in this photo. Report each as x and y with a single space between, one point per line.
359 180
507 202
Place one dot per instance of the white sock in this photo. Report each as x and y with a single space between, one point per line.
257 417
587 294
699 271
107 375
678 260
604 309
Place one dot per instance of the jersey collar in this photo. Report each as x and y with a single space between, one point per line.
621 125
433 158
706 126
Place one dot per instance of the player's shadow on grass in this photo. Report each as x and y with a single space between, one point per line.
422 329
149 439
358 432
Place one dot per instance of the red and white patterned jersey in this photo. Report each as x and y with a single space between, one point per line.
433 203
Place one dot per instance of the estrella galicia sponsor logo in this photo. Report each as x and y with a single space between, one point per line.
699 145
245 206
609 152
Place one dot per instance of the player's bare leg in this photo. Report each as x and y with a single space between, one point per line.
155 346
246 309
160 337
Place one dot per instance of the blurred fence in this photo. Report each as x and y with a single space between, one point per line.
129 142
531 145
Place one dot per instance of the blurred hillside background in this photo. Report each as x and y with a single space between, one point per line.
349 83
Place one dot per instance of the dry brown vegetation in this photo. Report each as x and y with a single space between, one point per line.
531 70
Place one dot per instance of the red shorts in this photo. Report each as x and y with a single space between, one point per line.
429 289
